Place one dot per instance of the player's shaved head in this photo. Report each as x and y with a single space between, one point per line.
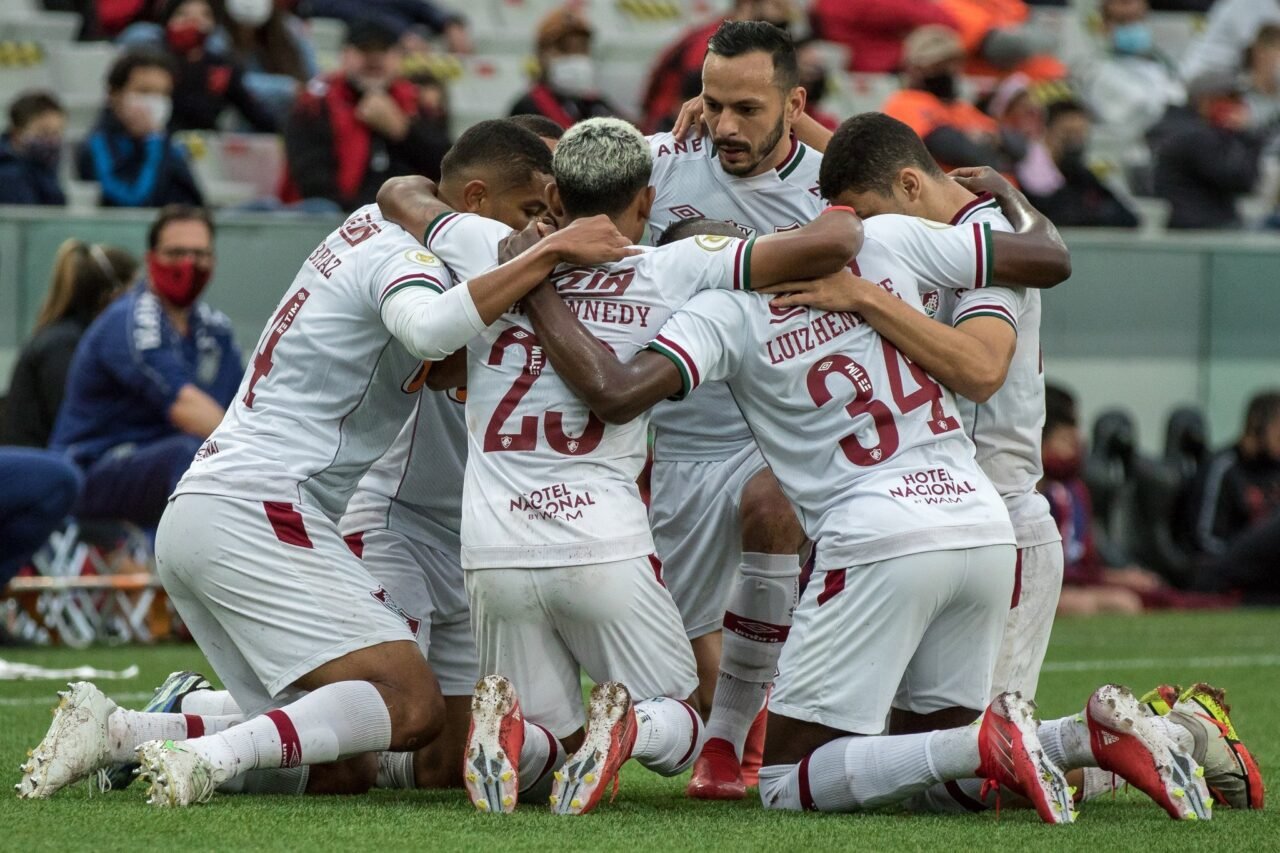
867 153
505 152
541 126
698 226
600 166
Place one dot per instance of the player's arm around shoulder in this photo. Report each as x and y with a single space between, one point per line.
410 201
1035 254
820 248
617 392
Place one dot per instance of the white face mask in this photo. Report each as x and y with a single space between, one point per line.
250 13
159 107
573 75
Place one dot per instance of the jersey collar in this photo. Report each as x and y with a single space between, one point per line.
982 202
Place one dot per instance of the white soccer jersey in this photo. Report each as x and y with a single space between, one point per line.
328 387
416 487
1007 428
690 182
547 482
867 446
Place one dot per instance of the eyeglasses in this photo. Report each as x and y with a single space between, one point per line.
179 254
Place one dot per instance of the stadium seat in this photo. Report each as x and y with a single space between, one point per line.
24 65
1108 474
41 26
1186 441
1174 31
326 37
1154 538
482 87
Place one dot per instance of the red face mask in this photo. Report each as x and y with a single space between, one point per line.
180 283
184 37
1227 112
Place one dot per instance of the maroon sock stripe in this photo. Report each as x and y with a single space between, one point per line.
290 745
693 741
806 796
355 541
832 585
1017 580
969 803
553 750
754 629
286 521
195 725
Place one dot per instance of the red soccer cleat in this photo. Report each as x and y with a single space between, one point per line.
1012 756
490 765
611 733
753 750
717 775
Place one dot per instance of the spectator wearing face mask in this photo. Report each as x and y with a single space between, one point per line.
678 69
30 150
151 378
129 151
1126 81
207 80
955 131
355 128
566 90
1205 155
273 48
1075 197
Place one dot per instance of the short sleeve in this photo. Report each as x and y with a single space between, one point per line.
948 256
399 263
709 262
1004 303
467 243
704 339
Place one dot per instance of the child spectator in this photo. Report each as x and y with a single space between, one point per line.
129 151
31 149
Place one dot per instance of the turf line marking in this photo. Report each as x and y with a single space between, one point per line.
1160 663
52 699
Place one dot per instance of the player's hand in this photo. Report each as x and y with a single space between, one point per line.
590 241
842 291
518 241
981 179
689 120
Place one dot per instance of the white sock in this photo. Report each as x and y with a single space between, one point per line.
213 703
329 723
540 757
282 780
1176 733
958 796
1098 782
128 730
736 705
856 773
1066 742
668 735
756 623
395 771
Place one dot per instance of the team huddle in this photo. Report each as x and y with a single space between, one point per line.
462 470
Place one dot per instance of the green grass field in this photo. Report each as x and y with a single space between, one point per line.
1239 651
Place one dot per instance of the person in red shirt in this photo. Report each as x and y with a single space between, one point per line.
677 74
874 30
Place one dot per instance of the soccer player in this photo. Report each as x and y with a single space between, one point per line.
915 552
555 537
319 659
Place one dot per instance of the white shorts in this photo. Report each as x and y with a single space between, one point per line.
427 582
269 592
1029 620
919 633
540 627
697 532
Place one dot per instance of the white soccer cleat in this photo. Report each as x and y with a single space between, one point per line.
176 775
490 769
76 745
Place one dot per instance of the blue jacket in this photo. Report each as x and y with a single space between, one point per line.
147 172
25 181
128 369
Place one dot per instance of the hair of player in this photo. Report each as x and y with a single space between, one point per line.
698 226
738 38
132 60
538 125
867 152
172 213
1059 408
500 147
1263 409
29 106
84 279
600 166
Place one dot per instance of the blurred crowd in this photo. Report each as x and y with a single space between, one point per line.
1089 119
